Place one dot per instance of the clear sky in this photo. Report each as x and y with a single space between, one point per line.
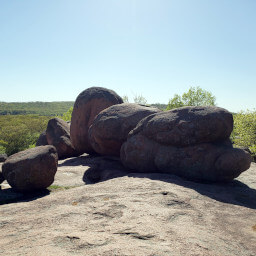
51 50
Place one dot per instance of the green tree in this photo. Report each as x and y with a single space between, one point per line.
139 99
67 116
244 132
195 96
125 99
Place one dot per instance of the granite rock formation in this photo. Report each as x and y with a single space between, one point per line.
88 104
191 142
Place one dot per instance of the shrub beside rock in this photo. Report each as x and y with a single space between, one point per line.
88 104
31 169
58 135
111 126
190 142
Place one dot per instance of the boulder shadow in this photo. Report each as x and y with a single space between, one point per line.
234 192
9 195
102 168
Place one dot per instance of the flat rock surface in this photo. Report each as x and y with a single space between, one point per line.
136 214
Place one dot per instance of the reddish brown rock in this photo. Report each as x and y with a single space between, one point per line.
31 169
88 104
42 140
58 135
111 126
187 126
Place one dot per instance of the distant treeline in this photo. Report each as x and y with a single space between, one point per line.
159 105
35 108
55 108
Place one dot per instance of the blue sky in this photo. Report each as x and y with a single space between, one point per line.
51 50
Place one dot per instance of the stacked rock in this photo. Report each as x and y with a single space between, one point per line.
111 126
191 142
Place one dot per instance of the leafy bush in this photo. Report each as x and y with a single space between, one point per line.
67 116
20 132
195 96
244 132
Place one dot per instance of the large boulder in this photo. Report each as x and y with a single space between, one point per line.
89 104
111 126
187 126
58 135
31 169
190 142
42 140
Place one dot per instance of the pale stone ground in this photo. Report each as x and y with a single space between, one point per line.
137 214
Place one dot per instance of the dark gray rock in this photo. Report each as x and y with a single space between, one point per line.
58 135
42 140
195 146
89 104
31 169
111 126
186 126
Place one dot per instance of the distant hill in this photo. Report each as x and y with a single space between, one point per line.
37 108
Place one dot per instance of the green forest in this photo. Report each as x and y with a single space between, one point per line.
35 108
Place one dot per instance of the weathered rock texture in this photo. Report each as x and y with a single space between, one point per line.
42 140
190 142
31 169
139 214
111 126
88 104
58 135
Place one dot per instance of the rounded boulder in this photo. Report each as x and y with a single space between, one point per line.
58 135
31 169
89 104
111 126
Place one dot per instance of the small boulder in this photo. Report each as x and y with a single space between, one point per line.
3 157
58 135
31 169
42 140
191 142
111 126
89 104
